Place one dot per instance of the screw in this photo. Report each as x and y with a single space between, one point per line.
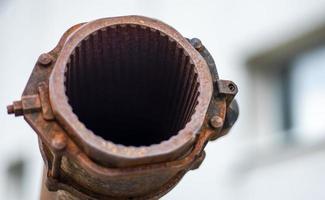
15 108
10 109
45 59
216 122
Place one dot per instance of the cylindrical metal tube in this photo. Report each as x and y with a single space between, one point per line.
123 108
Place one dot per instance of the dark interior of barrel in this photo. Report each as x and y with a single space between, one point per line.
131 85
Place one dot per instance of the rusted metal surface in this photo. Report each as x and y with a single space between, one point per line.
123 108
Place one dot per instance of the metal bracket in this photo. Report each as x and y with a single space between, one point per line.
227 89
47 112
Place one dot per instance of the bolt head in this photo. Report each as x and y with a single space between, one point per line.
196 43
216 122
45 59
59 142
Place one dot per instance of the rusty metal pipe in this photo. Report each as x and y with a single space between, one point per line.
140 82
123 108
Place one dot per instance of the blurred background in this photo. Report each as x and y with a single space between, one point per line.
273 49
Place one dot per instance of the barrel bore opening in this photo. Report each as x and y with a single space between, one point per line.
131 85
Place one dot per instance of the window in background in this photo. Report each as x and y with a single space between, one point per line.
293 71
307 85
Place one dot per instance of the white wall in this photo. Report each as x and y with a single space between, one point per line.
232 30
